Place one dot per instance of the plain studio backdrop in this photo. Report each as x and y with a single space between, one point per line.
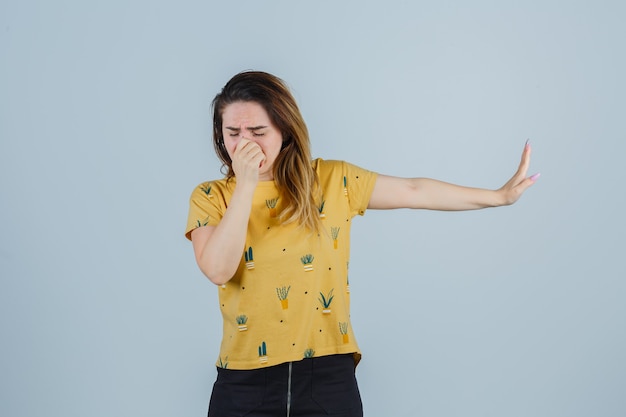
105 130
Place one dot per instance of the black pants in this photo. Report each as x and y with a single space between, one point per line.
315 387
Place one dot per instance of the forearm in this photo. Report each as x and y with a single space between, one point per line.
221 253
438 195
425 193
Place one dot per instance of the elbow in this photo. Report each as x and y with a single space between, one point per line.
217 263
218 280
216 273
216 276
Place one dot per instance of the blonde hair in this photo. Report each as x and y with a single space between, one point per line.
294 176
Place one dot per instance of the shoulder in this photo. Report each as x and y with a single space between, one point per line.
337 167
328 166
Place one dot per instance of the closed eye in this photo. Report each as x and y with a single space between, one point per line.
234 132
254 131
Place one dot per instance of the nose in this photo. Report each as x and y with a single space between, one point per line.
245 136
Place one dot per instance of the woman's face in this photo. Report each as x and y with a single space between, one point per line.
249 120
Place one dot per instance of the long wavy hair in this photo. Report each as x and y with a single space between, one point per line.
294 176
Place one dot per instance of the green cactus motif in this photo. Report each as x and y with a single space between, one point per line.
249 258
326 300
282 293
308 353
242 321
343 329
321 209
206 189
347 277
271 205
263 353
307 262
223 363
345 186
334 233
203 222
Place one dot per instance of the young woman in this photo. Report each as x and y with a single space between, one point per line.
274 236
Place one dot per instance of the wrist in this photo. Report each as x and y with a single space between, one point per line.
500 198
244 190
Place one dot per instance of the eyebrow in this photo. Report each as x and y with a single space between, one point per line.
252 129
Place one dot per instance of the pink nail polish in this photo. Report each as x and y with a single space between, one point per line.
534 177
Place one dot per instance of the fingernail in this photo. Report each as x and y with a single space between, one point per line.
534 177
527 143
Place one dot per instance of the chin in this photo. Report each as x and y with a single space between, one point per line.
266 171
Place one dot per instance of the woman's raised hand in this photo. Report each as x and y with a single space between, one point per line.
515 187
247 160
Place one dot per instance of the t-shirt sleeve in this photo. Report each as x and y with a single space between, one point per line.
205 208
358 184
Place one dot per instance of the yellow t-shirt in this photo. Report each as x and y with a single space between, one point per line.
290 296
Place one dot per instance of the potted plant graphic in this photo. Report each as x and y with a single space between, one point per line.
263 353
321 209
241 322
334 233
223 363
271 205
326 300
206 189
282 293
307 262
343 329
345 186
309 353
249 258
203 222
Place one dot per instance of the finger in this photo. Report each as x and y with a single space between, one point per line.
250 153
245 149
250 146
242 144
525 162
523 186
254 152
527 182
522 169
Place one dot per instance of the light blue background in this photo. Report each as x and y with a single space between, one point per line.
105 130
